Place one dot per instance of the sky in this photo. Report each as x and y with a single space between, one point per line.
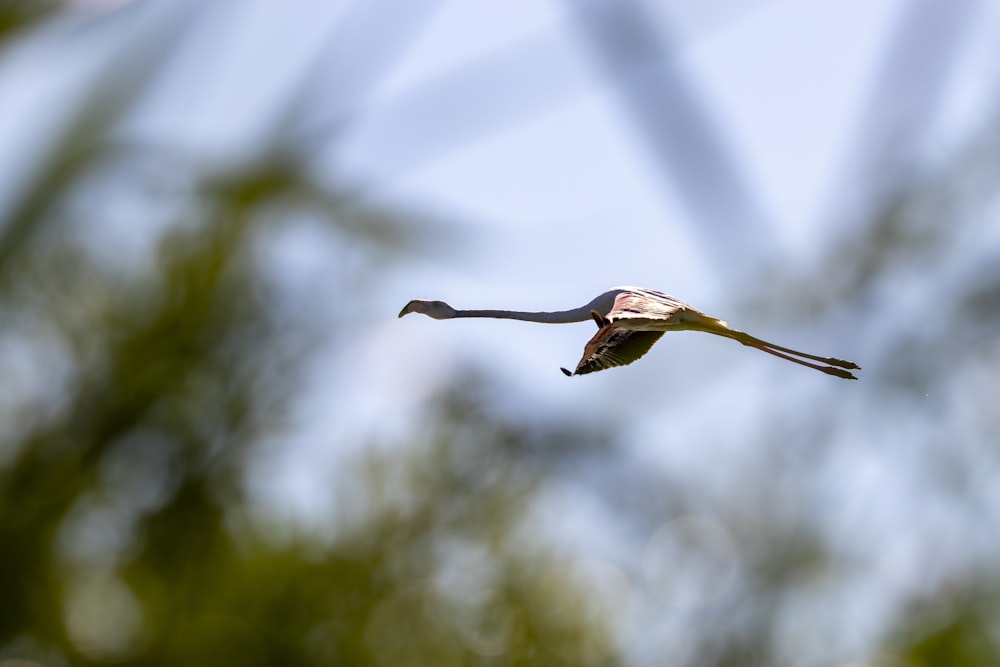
499 123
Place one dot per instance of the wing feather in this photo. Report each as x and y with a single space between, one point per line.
639 308
613 346
646 304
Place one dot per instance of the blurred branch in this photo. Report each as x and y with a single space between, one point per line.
678 131
74 144
362 48
280 178
904 101
466 103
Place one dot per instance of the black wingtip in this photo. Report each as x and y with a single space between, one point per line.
566 372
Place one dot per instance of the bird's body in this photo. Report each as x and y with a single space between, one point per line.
630 320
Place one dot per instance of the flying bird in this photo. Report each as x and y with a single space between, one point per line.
629 321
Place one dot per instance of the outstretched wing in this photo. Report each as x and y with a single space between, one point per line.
637 303
613 346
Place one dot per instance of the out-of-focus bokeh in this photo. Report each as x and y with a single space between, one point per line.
218 444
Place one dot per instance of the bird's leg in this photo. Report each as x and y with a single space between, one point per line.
600 319
709 325
753 341
829 370
842 363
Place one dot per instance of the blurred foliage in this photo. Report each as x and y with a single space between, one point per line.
142 378
19 15
957 627
127 534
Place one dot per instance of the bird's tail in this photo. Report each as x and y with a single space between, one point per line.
696 321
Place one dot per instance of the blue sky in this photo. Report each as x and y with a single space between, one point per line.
498 124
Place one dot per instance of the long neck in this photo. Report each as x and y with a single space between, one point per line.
580 314
601 303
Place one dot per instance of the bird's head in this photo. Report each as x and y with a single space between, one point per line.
439 310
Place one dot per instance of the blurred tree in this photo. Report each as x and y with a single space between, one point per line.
144 362
147 360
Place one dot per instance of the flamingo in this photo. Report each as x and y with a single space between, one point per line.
629 321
